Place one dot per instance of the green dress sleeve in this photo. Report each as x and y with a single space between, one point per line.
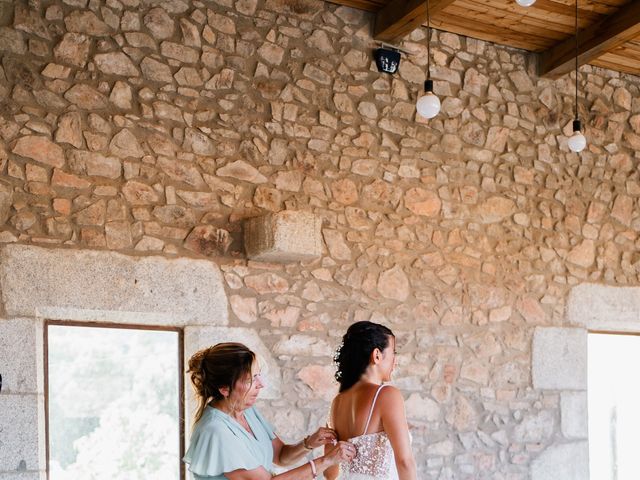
215 449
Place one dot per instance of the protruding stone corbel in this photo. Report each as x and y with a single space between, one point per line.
285 236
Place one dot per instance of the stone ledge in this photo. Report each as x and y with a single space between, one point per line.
90 285
285 236
559 358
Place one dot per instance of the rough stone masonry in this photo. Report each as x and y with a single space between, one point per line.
158 127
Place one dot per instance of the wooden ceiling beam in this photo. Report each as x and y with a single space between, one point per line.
400 17
366 5
594 41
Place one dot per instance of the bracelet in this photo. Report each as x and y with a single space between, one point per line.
304 443
314 472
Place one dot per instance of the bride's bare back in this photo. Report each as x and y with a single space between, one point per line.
350 411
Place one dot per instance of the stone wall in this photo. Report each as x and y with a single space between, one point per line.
152 127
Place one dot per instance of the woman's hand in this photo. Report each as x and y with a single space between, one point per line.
284 455
322 436
342 452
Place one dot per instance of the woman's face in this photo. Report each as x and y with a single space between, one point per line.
388 359
246 390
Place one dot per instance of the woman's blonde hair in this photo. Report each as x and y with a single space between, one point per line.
216 367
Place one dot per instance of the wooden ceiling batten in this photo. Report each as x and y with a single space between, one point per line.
457 23
559 21
401 17
527 25
611 33
553 10
624 60
598 7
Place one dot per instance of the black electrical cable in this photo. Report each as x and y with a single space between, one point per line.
429 42
576 60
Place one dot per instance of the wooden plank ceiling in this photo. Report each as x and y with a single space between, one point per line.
609 29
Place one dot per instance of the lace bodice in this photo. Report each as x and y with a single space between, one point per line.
374 459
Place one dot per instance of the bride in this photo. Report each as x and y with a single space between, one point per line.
367 412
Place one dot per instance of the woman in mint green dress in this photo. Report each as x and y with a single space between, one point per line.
230 439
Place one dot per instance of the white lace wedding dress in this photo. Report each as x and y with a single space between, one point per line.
374 459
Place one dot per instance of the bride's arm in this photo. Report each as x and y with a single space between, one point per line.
394 423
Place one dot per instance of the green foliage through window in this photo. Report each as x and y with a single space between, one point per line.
113 404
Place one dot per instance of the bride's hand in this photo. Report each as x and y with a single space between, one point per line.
342 452
322 436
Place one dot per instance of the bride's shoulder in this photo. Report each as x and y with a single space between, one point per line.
390 394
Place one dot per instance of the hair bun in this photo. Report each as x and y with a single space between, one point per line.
195 362
352 356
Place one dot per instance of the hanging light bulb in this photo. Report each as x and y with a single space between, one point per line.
525 3
577 141
428 105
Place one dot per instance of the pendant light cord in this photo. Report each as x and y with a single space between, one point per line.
576 60
429 43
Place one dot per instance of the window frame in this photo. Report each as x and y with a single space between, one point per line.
614 332
120 326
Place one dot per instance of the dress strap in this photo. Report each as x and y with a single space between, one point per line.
373 404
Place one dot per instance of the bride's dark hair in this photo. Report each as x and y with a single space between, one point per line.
352 356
